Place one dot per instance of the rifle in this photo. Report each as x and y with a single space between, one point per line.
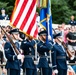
36 59
64 45
11 41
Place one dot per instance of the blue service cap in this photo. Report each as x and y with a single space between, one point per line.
57 35
14 31
42 32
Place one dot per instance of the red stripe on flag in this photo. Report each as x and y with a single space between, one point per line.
20 12
36 32
28 14
31 25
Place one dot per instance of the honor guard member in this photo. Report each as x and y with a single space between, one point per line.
13 60
43 49
59 56
28 66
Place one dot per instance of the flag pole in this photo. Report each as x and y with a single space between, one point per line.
48 30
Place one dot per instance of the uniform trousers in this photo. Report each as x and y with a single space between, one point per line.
62 71
44 71
13 72
29 71
50 71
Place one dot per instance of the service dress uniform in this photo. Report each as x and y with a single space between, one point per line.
43 50
13 63
28 66
59 57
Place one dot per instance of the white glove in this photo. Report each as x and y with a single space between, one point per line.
49 37
55 71
72 57
20 56
36 62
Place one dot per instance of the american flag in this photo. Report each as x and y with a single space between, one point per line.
24 17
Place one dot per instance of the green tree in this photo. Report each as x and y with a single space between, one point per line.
61 11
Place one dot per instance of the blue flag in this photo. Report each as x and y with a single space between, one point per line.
46 18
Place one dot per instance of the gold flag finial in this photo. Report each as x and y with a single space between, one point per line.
44 3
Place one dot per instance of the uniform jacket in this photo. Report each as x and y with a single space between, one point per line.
58 57
29 52
12 61
43 49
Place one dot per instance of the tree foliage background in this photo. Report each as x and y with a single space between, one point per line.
61 9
